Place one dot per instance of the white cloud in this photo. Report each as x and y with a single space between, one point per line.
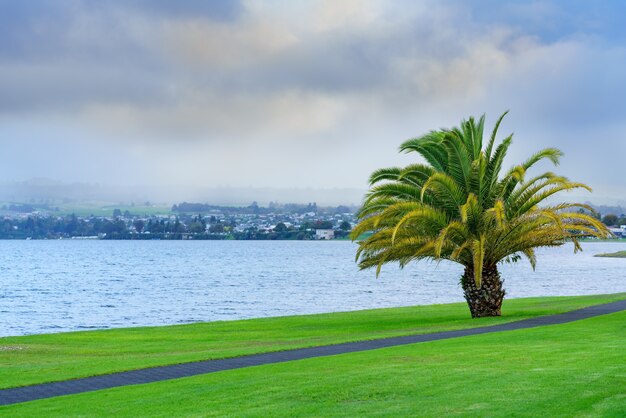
206 117
352 78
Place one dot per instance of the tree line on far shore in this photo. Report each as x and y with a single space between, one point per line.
192 227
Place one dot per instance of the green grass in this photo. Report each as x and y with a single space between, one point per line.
42 358
107 208
618 254
99 208
570 370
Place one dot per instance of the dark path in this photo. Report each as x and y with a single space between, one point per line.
156 374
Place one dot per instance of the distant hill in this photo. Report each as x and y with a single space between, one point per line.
44 191
608 209
254 208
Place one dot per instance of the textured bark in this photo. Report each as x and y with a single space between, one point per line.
486 300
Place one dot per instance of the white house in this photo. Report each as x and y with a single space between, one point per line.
324 234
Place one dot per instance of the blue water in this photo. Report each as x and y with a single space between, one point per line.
54 286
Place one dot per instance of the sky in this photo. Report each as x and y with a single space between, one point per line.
185 95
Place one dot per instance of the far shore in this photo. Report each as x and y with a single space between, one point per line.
618 254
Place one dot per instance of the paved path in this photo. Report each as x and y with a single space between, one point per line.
157 374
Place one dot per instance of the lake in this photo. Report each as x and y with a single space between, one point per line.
67 285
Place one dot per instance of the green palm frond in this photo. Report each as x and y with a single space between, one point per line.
494 134
382 174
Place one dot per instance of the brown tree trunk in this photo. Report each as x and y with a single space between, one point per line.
486 300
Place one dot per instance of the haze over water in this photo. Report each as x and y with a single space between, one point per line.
55 286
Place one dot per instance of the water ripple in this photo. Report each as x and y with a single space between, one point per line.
55 286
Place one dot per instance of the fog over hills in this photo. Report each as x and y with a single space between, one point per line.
45 190
48 190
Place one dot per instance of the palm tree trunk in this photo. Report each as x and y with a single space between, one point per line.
486 300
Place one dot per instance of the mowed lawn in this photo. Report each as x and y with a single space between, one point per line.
43 358
571 370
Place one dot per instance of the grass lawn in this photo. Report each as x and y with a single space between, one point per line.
619 254
575 369
97 208
43 358
106 209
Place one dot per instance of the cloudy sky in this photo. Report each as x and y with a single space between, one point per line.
184 94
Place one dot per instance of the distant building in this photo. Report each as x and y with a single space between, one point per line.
324 234
618 232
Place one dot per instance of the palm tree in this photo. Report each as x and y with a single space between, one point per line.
459 207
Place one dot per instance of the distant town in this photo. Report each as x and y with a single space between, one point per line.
183 221
198 221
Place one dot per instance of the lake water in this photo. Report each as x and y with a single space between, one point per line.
54 286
